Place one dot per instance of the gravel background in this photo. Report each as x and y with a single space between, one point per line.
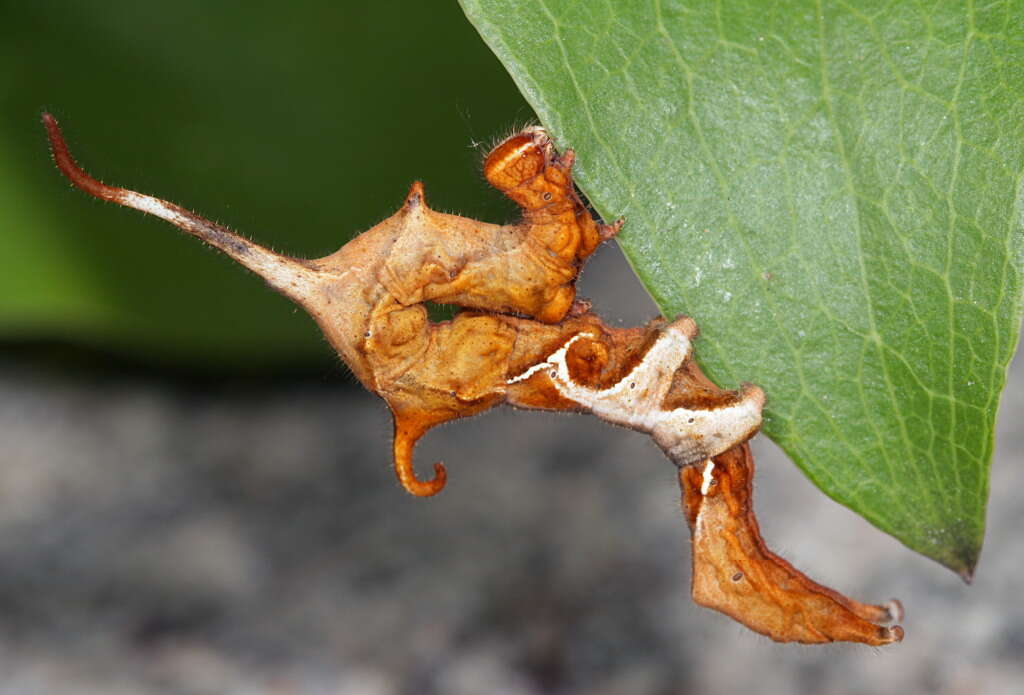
165 538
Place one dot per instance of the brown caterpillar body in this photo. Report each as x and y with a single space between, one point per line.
522 339
734 571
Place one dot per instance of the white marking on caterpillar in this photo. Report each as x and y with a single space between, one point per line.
551 361
707 478
154 206
686 435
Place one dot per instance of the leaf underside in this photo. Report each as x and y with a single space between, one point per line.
833 191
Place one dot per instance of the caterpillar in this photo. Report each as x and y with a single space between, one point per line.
523 338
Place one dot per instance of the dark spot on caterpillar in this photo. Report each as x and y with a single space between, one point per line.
514 320
234 244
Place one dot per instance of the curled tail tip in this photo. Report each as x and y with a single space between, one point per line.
424 488
405 442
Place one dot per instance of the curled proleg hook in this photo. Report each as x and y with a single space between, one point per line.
406 436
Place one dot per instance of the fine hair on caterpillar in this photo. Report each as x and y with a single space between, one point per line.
523 338
486 146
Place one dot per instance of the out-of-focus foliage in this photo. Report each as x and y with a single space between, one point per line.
298 124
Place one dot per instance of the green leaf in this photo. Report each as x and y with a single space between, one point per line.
833 191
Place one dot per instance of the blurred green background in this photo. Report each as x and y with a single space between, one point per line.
297 124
